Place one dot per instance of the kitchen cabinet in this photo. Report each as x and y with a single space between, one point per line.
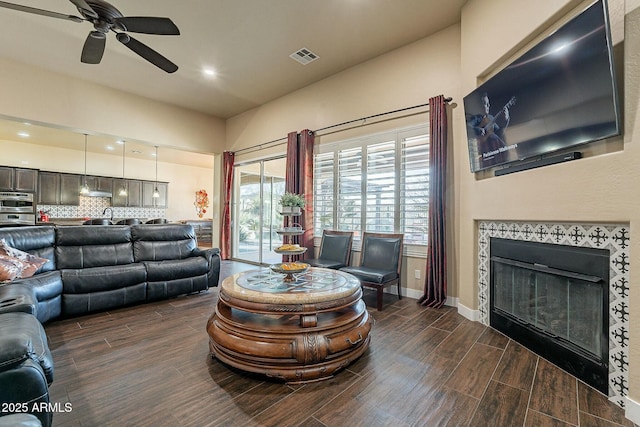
59 188
148 201
6 178
134 193
18 179
116 198
70 189
134 196
100 183
25 179
48 188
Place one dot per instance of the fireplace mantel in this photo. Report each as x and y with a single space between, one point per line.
613 237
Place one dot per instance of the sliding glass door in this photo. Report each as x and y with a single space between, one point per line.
258 187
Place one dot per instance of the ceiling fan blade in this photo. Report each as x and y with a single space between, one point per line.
93 48
40 12
147 53
84 7
148 25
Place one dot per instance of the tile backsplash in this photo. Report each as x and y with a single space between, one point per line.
92 207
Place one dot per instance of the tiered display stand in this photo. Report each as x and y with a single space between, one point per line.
289 237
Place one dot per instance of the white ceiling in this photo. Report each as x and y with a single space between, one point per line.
247 42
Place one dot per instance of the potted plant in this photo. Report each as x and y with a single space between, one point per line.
292 203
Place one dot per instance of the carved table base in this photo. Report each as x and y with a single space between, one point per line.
301 331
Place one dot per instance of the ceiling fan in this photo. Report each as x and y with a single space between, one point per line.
105 18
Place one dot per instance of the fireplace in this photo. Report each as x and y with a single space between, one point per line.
554 300
613 238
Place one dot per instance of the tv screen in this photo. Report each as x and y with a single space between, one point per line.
559 94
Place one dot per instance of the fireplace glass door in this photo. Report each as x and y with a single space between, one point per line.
564 305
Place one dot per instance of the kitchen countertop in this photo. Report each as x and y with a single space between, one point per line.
78 221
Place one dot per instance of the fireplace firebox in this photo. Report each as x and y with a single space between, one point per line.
553 299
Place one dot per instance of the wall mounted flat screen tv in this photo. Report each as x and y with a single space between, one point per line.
560 94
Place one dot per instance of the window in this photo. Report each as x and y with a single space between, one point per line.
349 195
379 183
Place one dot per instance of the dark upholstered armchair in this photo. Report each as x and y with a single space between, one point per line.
335 250
381 263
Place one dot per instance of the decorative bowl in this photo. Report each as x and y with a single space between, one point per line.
290 250
289 267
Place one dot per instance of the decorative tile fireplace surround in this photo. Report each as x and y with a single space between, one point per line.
613 237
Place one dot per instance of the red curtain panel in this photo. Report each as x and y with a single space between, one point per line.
305 186
228 159
435 294
299 179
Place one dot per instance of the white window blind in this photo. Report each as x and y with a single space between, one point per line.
381 187
349 195
378 183
323 200
414 189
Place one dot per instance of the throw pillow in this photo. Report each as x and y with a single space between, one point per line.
10 268
31 262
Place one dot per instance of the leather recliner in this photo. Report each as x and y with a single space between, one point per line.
89 269
26 365
46 285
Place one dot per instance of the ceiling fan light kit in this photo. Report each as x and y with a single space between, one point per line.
105 18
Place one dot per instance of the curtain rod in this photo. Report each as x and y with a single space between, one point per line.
376 115
260 146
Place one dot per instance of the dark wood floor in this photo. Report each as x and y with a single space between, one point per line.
149 365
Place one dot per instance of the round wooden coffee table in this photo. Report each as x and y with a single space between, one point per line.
297 331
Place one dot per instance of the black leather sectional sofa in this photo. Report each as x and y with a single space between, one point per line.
88 269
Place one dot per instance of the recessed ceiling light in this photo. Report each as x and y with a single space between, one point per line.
120 142
23 134
109 147
209 72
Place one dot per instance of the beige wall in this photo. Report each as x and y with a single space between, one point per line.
403 78
600 188
49 98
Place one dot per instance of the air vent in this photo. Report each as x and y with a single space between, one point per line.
304 56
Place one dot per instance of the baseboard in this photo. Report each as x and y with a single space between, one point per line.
632 410
473 315
416 294
411 293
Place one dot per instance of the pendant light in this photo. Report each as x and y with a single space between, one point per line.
84 190
123 189
156 193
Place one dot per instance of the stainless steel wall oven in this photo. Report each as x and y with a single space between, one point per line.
17 208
